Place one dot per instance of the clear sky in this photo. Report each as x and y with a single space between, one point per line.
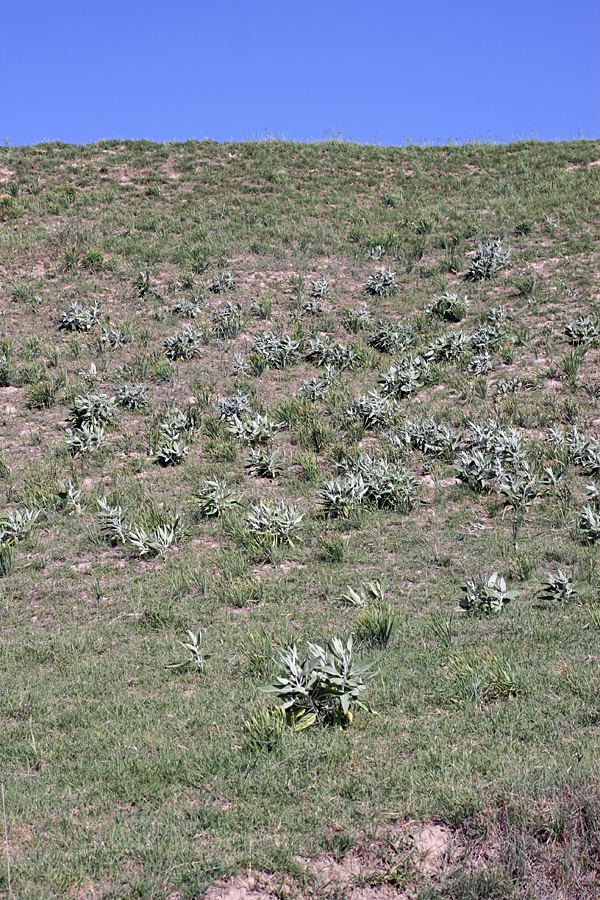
384 72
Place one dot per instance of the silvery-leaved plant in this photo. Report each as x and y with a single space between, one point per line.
276 352
448 306
195 656
313 389
322 686
558 588
141 285
480 363
237 405
8 371
477 468
372 410
498 315
369 592
183 345
92 409
240 366
518 487
506 445
323 352
262 462
507 386
486 595
70 496
428 436
405 377
16 524
227 320
391 337
132 396
584 450
339 496
382 283
112 523
85 438
215 497
187 309
312 306
253 430
490 258
388 485
172 448
447 347
583 331
276 521
486 338
321 288
79 318
222 283
589 524
113 338
156 540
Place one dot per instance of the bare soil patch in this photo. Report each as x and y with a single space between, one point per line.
389 864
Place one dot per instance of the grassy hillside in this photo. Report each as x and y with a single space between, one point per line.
236 381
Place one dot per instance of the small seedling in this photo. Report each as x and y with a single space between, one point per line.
195 657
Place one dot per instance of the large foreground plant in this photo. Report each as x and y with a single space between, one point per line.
323 686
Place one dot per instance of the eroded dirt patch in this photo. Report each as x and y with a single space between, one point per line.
391 863
242 887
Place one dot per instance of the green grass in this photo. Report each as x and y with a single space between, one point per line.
125 778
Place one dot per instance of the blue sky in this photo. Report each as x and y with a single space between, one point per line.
386 73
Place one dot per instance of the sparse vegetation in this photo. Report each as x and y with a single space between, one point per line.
265 417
